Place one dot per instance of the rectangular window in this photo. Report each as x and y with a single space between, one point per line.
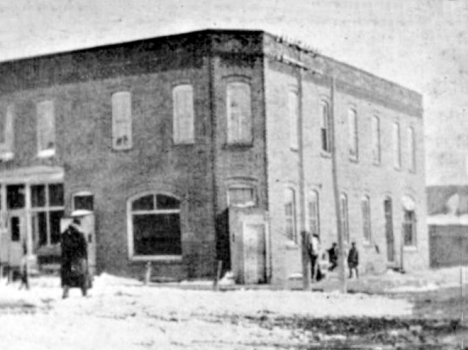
47 204
84 201
396 146
409 228
6 133
314 218
157 234
290 215
241 196
352 135
344 217
15 196
183 122
293 116
375 125
412 149
45 128
325 126
122 120
366 219
239 113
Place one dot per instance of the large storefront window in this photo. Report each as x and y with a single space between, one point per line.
47 208
155 226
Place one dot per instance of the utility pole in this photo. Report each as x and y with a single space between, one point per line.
336 191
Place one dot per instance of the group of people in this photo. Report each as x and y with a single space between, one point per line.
315 255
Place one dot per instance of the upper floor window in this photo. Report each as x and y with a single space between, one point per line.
122 120
293 116
155 226
396 146
366 219
325 126
375 126
183 118
239 113
412 149
6 132
352 134
344 217
45 128
314 217
290 214
241 196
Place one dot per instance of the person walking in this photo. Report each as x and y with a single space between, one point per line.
353 260
74 259
314 254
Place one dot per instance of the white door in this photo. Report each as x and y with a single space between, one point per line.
254 253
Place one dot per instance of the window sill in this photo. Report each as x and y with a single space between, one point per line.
47 153
410 248
367 244
290 245
162 258
6 156
353 160
325 154
121 149
237 146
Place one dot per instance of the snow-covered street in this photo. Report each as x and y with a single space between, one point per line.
125 314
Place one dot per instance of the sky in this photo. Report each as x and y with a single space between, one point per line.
420 44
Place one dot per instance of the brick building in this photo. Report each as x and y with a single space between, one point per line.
206 146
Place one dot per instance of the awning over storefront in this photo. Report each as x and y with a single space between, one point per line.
35 174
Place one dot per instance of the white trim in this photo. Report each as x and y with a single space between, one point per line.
46 153
156 258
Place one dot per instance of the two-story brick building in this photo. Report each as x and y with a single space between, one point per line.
159 137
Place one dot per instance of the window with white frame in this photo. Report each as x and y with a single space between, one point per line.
122 120
45 128
396 146
183 116
366 219
241 196
239 113
352 134
293 116
155 228
375 126
412 149
6 132
314 217
290 214
344 217
83 200
325 126
47 208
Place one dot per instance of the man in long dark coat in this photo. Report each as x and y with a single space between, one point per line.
74 271
353 260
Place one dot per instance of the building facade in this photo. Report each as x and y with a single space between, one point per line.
168 139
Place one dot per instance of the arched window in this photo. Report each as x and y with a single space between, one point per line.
325 126
366 219
314 217
239 113
293 103
396 146
412 149
352 134
344 217
409 222
154 226
290 214
375 139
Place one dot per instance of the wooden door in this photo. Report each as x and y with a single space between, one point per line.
389 230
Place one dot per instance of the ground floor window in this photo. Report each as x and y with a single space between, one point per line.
409 228
155 225
241 196
47 208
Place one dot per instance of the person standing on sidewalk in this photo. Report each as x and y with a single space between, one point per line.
353 260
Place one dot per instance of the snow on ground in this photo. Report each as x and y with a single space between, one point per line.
125 314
